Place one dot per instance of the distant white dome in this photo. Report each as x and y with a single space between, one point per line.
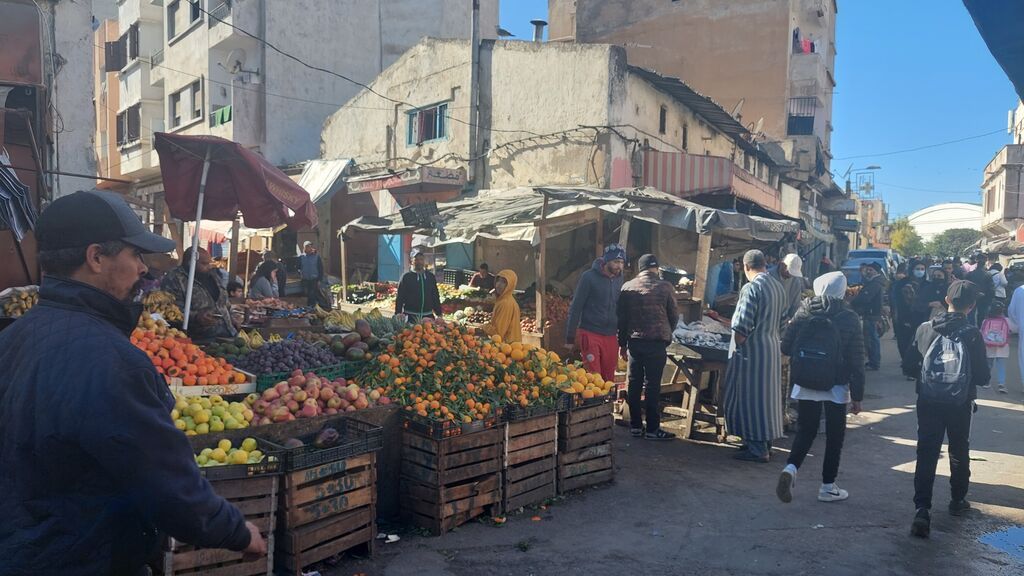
933 220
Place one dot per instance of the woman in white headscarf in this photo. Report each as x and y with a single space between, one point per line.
826 344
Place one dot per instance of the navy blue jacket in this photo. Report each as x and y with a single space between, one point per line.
91 465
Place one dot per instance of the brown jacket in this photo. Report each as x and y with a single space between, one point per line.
647 309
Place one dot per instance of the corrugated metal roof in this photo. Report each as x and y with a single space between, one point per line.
319 177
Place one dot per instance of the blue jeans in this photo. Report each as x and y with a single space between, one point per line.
872 343
998 368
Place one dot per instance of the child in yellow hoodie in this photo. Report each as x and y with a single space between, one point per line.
505 320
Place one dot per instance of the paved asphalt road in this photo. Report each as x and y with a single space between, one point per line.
688 508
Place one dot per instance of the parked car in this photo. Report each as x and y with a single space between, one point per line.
886 257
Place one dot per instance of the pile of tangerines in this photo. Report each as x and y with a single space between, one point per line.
444 372
175 356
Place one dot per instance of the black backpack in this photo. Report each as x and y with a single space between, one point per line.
946 370
817 355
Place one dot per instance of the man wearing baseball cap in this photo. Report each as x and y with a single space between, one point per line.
593 314
647 316
868 304
92 465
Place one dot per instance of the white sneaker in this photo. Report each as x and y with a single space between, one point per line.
832 493
784 489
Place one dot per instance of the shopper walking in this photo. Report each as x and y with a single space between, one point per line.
86 489
593 315
646 318
995 330
417 295
999 282
311 271
986 287
948 359
868 304
753 388
825 342
909 305
789 273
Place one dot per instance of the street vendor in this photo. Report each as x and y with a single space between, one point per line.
417 295
87 489
505 318
593 314
483 279
210 316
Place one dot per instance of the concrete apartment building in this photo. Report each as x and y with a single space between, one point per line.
549 114
771 62
194 67
1002 186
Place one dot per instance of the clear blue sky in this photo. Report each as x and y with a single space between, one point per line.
910 73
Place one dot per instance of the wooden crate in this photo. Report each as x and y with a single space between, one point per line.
256 498
325 510
447 482
585 448
529 474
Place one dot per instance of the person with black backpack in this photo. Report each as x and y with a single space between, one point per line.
948 360
825 344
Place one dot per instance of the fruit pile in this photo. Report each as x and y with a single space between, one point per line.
224 454
556 308
285 356
447 373
308 396
175 356
203 415
162 303
19 301
528 324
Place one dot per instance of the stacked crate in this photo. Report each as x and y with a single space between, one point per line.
585 447
529 473
449 475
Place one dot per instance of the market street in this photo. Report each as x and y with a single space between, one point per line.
687 508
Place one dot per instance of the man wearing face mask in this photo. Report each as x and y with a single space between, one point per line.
868 303
86 489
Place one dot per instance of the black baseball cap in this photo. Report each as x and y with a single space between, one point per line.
962 294
90 217
647 261
875 265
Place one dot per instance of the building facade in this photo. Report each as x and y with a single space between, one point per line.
934 220
549 114
202 67
771 62
1002 186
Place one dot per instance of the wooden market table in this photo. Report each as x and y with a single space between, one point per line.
702 397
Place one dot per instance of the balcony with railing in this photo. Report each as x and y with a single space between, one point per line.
225 20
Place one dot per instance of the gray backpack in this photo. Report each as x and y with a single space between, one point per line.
946 370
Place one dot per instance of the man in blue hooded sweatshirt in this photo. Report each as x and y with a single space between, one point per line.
593 314
91 465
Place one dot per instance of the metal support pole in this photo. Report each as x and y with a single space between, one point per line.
195 239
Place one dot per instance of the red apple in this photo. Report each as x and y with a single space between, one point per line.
327 393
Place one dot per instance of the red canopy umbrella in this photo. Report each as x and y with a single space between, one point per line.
213 178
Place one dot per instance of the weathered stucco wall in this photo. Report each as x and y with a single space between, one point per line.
727 50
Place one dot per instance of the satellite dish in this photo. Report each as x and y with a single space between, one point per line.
233 61
739 108
759 126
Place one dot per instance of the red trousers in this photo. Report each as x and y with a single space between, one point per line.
600 353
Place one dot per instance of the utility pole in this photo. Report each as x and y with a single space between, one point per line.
474 95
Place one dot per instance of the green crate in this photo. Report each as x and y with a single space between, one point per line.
343 370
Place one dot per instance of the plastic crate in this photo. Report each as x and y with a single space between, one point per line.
441 429
342 370
269 466
514 412
568 402
356 437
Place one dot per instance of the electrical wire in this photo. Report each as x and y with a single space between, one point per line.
919 148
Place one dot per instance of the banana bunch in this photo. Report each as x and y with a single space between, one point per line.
321 313
162 303
252 339
340 320
275 337
20 301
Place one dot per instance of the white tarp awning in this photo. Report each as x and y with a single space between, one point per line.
321 178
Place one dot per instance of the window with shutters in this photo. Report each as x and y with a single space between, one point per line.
686 136
196 98
129 125
133 42
181 15
186 105
662 120
427 124
113 56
